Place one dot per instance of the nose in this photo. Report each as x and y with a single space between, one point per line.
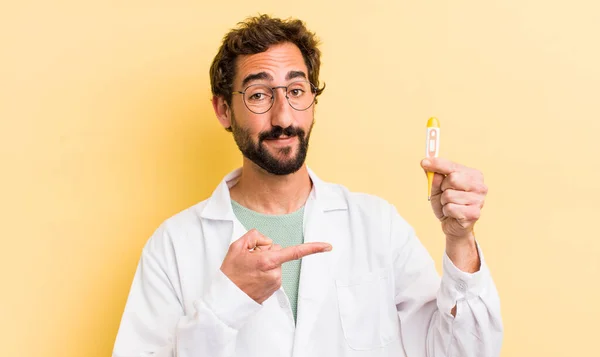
281 112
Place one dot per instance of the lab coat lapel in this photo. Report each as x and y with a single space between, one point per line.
321 224
218 207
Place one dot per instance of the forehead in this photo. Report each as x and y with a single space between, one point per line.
277 61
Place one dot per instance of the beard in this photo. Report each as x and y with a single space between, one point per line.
258 153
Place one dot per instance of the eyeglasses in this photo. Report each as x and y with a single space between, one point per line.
259 98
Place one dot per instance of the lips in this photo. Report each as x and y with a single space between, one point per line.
282 140
280 137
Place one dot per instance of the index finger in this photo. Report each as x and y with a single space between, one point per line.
297 252
436 187
440 165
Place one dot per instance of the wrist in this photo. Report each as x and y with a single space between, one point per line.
467 240
463 253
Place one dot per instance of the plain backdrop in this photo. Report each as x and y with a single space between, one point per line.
106 130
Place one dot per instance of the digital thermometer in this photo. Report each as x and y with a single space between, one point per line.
432 148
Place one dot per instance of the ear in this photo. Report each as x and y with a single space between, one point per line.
222 110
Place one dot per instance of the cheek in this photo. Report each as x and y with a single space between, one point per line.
259 123
249 122
305 119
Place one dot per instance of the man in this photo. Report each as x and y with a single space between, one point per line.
279 263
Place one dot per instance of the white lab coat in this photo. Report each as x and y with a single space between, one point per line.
373 295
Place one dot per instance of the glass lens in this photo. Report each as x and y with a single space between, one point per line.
258 97
300 95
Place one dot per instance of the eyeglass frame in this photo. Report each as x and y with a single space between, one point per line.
312 87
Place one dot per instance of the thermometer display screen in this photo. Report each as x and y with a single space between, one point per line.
433 142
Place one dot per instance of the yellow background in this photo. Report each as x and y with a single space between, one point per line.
107 130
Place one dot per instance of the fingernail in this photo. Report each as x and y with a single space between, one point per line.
328 248
425 162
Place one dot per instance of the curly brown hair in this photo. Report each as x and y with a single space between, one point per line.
256 35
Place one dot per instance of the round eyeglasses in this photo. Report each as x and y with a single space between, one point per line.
259 98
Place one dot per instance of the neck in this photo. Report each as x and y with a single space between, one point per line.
266 193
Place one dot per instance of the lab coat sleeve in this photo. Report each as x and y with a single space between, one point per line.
154 322
424 302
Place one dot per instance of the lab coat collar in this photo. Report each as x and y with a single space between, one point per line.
219 207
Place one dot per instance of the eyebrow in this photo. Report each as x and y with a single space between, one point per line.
256 76
265 76
295 74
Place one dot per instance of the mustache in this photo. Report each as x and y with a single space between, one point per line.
278 131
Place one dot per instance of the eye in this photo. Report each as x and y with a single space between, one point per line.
257 96
296 92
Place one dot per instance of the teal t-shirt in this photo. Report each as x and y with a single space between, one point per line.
285 230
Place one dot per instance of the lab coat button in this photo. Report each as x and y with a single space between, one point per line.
461 286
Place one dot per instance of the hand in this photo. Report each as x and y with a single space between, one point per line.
457 196
253 263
